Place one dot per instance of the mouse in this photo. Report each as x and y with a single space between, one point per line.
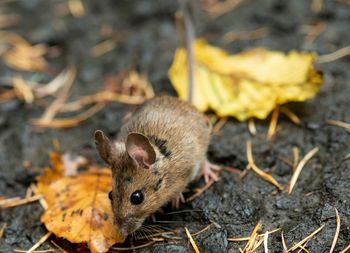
157 153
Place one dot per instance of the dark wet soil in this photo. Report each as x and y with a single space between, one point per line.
147 39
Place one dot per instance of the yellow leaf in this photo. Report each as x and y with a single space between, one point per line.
249 84
78 206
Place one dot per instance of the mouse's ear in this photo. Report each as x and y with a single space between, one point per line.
140 149
105 147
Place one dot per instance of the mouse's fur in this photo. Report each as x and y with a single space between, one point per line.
158 151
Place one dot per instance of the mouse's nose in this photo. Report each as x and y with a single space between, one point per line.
126 226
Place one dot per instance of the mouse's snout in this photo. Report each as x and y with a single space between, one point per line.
127 225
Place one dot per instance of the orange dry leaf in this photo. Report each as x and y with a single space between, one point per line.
78 207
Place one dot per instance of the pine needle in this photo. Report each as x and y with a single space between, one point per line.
341 124
135 247
250 244
345 51
285 248
346 249
2 230
297 245
258 171
59 247
193 243
200 191
103 47
266 238
300 166
273 123
291 115
12 202
337 230
251 126
41 241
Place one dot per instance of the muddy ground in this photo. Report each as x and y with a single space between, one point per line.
147 41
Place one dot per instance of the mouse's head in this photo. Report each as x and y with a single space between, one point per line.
138 187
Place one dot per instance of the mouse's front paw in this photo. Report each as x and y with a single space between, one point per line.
208 171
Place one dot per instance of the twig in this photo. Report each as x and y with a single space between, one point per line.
285 248
334 56
202 230
266 237
339 123
200 191
189 37
7 203
245 35
58 246
295 157
337 230
300 166
69 122
258 171
2 230
291 115
251 126
103 47
273 123
135 247
193 243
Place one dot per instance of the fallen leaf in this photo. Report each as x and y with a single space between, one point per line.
245 85
78 206
21 55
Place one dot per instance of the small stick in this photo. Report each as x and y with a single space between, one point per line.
341 124
295 157
135 247
273 123
193 243
291 115
258 171
58 246
337 230
189 37
266 237
7 203
2 230
200 191
340 53
202 230
285 248
300 166
251 126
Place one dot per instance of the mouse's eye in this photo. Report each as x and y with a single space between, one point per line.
110 195
136 197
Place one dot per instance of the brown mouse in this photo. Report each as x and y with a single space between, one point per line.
157 153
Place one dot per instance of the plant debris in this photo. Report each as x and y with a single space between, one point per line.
344 125
78 208
299 167
245 85
193 243
337 230
297 245
257 170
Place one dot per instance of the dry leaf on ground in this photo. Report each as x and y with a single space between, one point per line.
21 55
78 206
248 84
